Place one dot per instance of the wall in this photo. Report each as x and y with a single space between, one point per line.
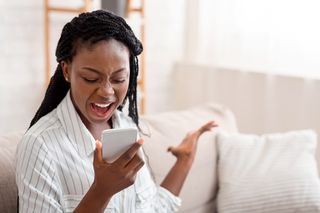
262 103
22 55
165 29
265 36
21 61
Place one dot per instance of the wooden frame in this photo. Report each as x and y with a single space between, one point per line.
47 11
141 81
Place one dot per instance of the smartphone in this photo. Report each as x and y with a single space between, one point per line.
117 141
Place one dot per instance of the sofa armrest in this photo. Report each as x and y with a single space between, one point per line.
8 188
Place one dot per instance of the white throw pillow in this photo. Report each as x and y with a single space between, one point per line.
268 173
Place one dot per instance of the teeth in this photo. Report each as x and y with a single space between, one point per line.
102 105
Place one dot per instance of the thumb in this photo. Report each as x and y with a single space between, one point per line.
172 149
98 152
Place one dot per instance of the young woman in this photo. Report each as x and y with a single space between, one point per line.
59 161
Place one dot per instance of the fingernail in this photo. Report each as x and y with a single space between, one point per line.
98 143
140 141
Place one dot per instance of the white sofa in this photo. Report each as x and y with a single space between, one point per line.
165 129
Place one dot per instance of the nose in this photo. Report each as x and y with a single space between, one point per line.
106 89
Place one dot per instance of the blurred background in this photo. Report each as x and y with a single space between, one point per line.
260 58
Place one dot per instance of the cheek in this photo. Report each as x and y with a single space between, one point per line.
122 91
81 92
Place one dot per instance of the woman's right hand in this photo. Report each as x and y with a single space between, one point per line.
111 178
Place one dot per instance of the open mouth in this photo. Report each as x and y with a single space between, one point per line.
101 110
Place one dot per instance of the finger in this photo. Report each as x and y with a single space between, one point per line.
98 153
126 157
136 160
204 128
138 167
208 126
132 174
173 150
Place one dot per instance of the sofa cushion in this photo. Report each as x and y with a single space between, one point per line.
8 189
169 128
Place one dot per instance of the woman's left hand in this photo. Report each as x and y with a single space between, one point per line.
187 148
185 153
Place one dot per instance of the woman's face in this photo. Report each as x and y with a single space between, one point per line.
99 80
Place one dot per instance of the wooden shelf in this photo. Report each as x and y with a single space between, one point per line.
65 9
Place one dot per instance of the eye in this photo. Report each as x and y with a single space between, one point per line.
89 80
119 81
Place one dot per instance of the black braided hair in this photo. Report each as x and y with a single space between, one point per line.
91 27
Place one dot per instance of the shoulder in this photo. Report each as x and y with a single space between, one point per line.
34 136
46 123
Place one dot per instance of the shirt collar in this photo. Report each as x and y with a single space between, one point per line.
75 129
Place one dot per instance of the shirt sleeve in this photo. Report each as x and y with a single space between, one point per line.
149 196
38 188
154 198
173 202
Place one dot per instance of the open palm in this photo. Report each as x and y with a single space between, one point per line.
187 148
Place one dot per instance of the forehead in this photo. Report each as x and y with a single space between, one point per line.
103 53
103 46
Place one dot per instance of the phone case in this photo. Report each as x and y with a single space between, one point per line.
117 141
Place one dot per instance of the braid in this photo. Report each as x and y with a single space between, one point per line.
132 90
56 91
90 28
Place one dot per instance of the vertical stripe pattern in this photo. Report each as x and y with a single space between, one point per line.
54 168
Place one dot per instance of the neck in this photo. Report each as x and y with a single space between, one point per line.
96 129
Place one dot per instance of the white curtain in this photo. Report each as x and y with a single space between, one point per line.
273 36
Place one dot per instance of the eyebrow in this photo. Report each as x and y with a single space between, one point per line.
99 73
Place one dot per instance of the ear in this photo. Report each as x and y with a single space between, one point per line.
66 70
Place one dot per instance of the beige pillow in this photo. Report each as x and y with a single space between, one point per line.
268 173
168 129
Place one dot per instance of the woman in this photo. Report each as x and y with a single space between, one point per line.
59 161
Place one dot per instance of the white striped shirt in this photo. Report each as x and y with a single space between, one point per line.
54 168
